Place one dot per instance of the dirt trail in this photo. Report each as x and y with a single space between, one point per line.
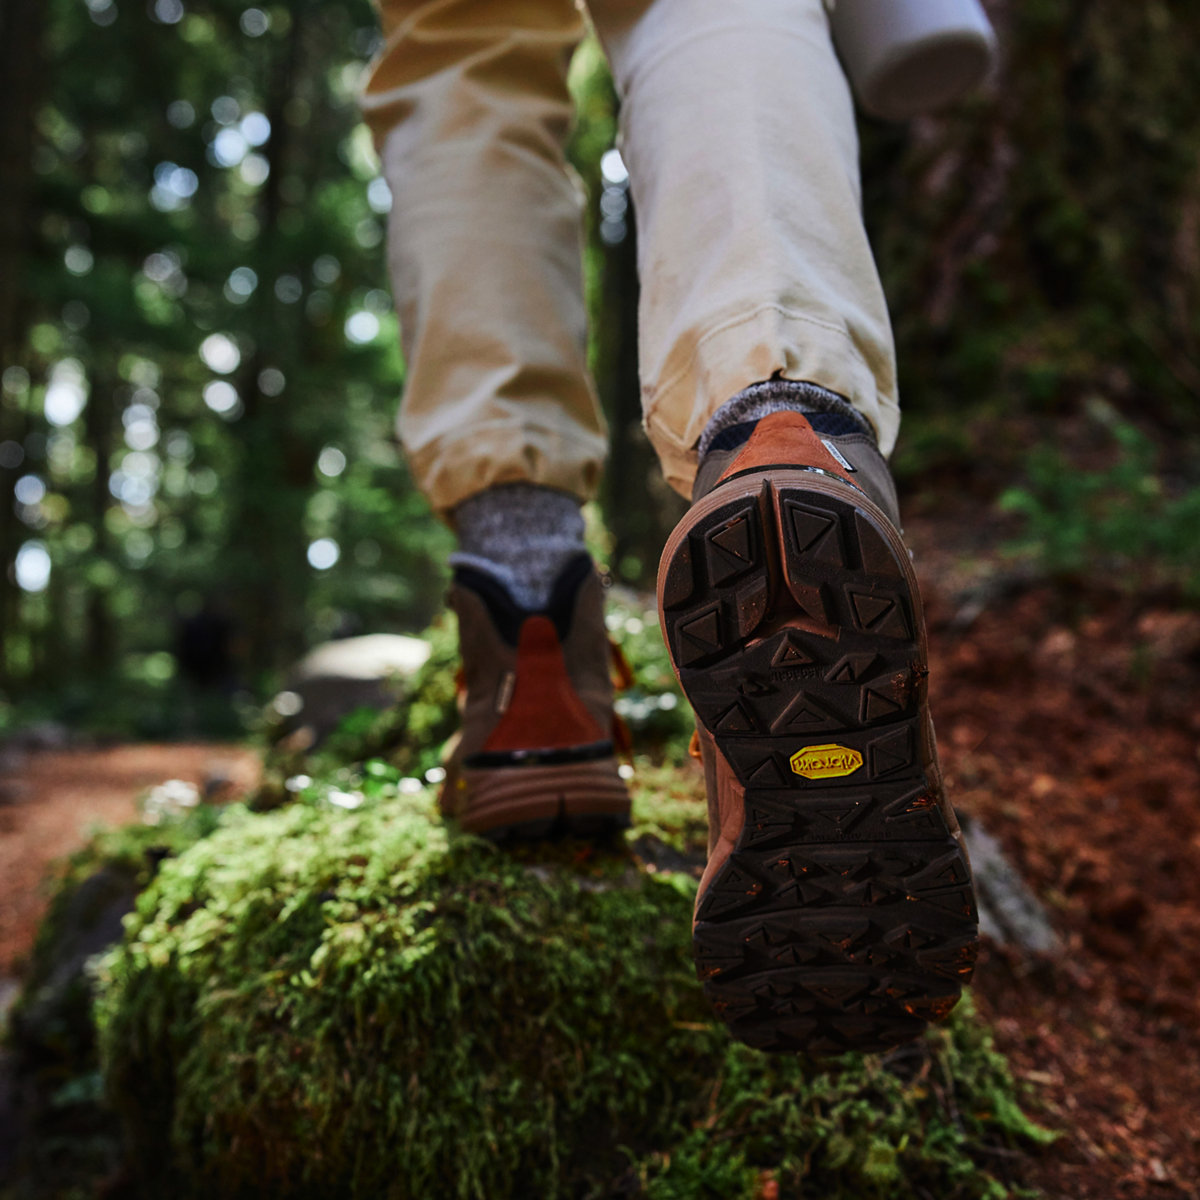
1068 724
50 799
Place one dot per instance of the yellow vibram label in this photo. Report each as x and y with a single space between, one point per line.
826 762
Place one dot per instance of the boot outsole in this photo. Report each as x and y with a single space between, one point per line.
844 918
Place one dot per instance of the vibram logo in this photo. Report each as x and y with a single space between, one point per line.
826 762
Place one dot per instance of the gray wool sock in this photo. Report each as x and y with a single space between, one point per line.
781 395
521 534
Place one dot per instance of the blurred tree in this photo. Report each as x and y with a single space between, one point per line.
199 387
20 64
1043 242
200 365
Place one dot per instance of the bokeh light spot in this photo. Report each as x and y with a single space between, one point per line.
255 127
323 553
379 195
226 110
220 396
331 461
32 567
612 167
271 381
78 260
254 22
29 490
181 114
169 12
362 327
66 393
229 147
220 353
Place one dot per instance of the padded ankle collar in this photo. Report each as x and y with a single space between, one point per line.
508 616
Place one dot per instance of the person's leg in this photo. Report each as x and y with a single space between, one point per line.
469 106
835 912
738 132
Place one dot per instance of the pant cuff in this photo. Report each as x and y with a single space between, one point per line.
769 341
450 470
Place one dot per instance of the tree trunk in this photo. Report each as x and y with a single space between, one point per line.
100 645
266 531
639 508
20 67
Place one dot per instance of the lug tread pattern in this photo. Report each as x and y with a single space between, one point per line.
844 919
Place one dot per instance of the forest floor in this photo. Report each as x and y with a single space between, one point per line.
51 800
1068 726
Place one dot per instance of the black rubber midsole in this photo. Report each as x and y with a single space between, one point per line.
541 758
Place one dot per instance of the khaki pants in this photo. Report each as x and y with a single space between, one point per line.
738 132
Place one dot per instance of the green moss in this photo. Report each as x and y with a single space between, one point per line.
316 1002
669 806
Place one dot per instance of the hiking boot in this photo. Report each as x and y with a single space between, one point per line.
836 911
535 755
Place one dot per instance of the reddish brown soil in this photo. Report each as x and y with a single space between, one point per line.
1068 723
51 799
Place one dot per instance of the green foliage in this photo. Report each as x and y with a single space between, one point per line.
1038 243
207 289
932 444
659 718
364 1003
1119 522
669 806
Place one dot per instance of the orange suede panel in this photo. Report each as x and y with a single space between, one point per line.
544 712
785 438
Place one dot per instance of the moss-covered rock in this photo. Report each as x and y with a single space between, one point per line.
330 1002
63 1138
344 997
92 892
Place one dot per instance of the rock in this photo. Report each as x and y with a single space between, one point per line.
318 1002
53 1015
373 656
40 735
1009 913
339 677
